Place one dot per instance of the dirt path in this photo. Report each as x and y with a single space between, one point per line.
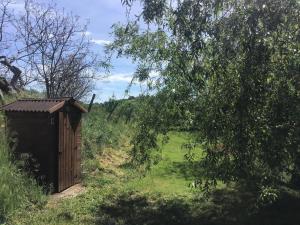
71 192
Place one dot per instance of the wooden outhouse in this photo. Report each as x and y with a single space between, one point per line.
49 131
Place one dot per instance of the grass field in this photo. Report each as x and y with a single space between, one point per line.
173 174
117 195
111 182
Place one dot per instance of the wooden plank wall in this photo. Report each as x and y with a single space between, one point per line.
69 150
61 153
77 159
35 135
62 170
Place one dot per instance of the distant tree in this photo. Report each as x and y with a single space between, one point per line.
230 69
8 58
48 46
64 63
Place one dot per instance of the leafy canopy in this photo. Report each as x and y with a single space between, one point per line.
229 70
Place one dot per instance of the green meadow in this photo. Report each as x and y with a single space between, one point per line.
172 175
114 192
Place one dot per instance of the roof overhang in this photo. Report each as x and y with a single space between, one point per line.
41 105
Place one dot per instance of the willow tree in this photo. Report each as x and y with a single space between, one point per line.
228 69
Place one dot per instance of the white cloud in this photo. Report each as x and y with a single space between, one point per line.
86 33
126 77
119 77
101 41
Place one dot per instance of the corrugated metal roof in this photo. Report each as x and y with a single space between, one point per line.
40 105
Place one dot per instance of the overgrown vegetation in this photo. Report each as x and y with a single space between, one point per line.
223 116
117 194
229 70
18 190
171 173
99 132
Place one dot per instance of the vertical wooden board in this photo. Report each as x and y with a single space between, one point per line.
69 152
65 151
69 147
78 151
62 154
60 150
70 158
72 155
75 156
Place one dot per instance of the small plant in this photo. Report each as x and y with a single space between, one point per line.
268 195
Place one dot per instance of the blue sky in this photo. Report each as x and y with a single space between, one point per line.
102 14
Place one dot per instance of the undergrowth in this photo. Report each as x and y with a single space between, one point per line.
118 194
98 133
18 190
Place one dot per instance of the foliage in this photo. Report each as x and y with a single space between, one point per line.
17 189
233 69
171 174
268 195
99 132
116 195
123 109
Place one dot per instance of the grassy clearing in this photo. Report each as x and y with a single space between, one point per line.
173 174
116 195
109 182
78 210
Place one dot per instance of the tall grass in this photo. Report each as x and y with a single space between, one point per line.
17 189
99 131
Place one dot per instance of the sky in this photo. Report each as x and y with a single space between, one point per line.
102 14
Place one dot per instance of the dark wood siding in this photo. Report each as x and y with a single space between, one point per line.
51 137
69 150
78 153
33 135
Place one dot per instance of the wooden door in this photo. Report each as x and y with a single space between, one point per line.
69 151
